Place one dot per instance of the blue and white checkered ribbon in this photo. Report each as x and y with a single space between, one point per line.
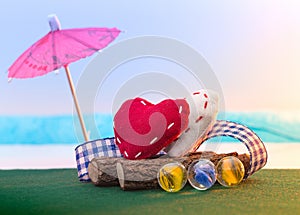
107 147
89 150
256 148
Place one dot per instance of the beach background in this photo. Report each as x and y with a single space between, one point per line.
253 48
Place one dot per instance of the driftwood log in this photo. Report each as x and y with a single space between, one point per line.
102 171
142 174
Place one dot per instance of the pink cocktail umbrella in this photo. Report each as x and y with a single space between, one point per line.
58 49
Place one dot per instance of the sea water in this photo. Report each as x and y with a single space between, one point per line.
63 129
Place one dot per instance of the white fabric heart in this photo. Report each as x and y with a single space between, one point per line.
204 106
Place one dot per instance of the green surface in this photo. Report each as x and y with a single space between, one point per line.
59 192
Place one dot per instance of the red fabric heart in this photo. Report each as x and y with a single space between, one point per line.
142 129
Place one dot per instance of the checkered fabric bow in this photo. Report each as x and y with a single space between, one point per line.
92 149
107 147
256 148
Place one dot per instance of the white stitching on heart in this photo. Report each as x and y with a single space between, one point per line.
153 141
143 103
171 125
180 109
125 153
118 140
138 154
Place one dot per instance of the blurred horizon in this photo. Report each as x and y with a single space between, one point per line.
65 129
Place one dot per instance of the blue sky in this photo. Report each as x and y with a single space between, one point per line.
252 46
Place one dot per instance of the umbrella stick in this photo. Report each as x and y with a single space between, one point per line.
83 128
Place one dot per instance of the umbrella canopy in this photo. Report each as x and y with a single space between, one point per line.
58 49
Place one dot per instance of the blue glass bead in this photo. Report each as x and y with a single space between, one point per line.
202 174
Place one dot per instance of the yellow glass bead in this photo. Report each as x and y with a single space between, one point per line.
230 171
172 177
